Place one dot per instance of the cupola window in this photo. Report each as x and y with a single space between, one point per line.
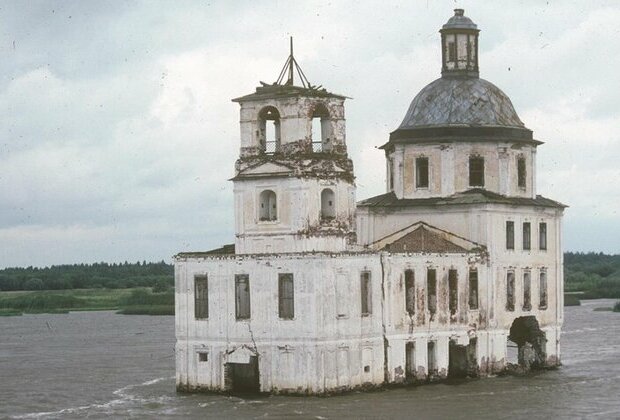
269 130
521 172
320 129
268 207
421 172
476 171
328 204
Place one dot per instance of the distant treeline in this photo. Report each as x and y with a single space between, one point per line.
158 275
595 274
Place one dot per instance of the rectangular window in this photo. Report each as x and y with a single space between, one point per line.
473 289
410 361
476 171
431 286
201 297
542 304
510 235
421 172
453 291
542 236
451 51
432 358
527 244
409 292
510 291
390 163
521 172
286 296
242 296
366 293
203 356
527 291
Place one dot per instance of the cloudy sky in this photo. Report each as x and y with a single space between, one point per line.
117 133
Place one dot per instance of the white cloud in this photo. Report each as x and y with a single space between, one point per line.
117 134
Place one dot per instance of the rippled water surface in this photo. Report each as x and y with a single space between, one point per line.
99 364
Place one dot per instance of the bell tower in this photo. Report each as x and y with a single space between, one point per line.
294 184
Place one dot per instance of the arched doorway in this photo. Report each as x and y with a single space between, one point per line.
525 332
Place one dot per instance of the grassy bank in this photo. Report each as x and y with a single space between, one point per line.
135 301
571 299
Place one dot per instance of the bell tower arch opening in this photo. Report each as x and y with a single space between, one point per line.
321 129
269 130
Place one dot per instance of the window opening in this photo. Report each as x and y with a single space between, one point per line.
432 358
521 172
242 296
269 130
431 281
366 293
453 291
421 178
201 297
390 174
203 356
328 204
542 236
476 171
510 291
268 207
409 292
451 51
527 291
542 304
410 361
510 235
527 227
286 296
473 289
321 141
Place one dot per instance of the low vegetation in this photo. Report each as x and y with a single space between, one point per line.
138 301
617 307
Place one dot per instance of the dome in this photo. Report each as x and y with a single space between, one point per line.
459 21
461 102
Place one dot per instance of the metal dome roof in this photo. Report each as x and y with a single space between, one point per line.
459 21
461 102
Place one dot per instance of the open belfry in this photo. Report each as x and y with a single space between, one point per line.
455 271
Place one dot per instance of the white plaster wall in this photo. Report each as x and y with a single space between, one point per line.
449 168
317 350
298 227
295 118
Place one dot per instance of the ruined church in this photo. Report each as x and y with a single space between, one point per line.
455 271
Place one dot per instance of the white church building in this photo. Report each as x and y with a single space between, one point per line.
447 274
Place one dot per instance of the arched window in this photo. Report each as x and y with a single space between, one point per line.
269 130
328 204
321 129
268 207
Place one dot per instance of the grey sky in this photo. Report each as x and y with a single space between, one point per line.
117 134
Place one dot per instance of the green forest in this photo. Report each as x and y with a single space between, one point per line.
148 288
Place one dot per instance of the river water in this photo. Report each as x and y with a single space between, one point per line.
102 365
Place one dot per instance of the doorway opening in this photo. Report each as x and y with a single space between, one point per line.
462 360
530 341
242 377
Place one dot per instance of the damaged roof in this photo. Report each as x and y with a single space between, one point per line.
473 196
223 250
267 91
